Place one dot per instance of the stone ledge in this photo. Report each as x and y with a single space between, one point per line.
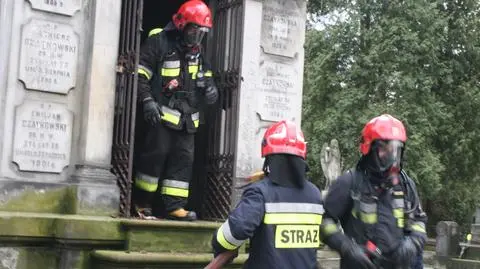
76 229
158 224
148 257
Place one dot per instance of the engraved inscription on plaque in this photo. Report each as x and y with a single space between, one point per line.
48 57
65 7
42 138
278 95
283 26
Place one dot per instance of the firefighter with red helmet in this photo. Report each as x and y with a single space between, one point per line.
376 204
280 214
174 84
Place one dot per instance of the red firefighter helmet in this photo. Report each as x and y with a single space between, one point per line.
284 137
384 127
195 12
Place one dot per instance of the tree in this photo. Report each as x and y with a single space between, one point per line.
416 60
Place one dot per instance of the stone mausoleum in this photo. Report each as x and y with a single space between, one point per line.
67 125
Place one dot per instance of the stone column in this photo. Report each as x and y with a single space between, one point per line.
446 243
272 76
97 191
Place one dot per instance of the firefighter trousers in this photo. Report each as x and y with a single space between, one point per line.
163 167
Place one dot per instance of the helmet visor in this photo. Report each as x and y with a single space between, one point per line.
388 153
193 34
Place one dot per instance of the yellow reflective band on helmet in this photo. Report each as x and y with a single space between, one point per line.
175 192
146 186
297 236
170 72
208 73
292 218
369 218
154 31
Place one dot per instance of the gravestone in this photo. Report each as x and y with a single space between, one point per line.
48 56
64 7
283 26
42 137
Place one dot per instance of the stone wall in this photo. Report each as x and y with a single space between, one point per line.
57 88
272 75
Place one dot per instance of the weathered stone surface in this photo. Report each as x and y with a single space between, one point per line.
95 191
65 7
283 26
48 56
278 96
43 135
119 259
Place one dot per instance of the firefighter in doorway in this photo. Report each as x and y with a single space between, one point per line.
174 85
377 204
281 213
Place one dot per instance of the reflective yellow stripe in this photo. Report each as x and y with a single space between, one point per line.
369 218
297 236
292 218
171 118
469 237
146 186
141 71
209 74
398 213
330 229
401 223
223 242
192 68
175 192
196 123
418 228
170 72
154 31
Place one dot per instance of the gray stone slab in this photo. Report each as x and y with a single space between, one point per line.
48 56
42 137
64 7
283 26
278 95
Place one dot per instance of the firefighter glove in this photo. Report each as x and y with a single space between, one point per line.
152 113
354 254
406 251
211 95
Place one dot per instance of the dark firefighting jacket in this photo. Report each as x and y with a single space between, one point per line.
366 214
281 222
168 76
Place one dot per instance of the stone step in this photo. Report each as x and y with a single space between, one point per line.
108 259
165 235
463 264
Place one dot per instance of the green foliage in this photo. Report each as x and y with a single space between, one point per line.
417 60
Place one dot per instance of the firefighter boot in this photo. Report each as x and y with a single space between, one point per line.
182 214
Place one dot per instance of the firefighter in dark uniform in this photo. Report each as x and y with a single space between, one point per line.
280 214
376 204
175 83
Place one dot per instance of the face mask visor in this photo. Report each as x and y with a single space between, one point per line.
388 154
193 34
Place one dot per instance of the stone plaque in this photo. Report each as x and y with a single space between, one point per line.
283 26
48 57
278 95
42 138
65 7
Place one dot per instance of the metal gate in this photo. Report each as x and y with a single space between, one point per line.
224 49
125 99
